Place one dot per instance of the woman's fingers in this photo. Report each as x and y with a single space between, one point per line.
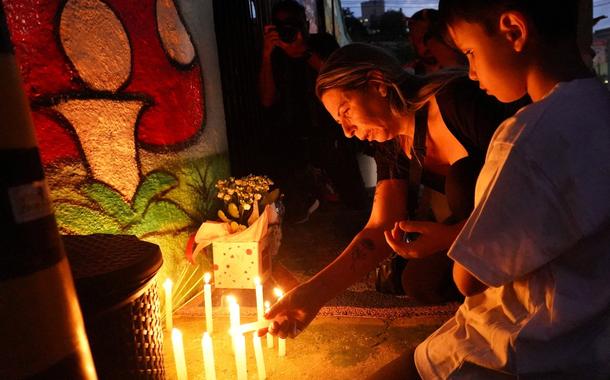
286 328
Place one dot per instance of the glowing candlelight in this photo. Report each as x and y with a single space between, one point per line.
234 316
234 319
169 322
269 336
208 357
258 354
281 343
248 327
179 354
240 357
207 297
281 347
260 312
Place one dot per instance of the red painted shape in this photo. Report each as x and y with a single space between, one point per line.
55 141
248 251
174 94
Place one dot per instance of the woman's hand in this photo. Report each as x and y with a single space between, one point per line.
292 313
434 238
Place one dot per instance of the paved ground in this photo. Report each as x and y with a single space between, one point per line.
331 348
355 334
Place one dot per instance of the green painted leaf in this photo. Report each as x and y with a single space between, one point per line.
111 202
154 185
161 216
83 220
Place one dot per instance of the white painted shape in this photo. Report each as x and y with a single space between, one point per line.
105 129
96 42
174 36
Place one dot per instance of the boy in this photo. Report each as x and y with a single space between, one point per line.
534 257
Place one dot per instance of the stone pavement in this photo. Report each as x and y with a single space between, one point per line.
330 348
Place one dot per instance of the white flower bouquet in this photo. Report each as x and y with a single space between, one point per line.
243 199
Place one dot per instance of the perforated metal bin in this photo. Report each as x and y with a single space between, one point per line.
115 281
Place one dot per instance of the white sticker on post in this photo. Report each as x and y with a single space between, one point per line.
30 201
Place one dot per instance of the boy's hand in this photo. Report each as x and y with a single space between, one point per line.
292 313
434 238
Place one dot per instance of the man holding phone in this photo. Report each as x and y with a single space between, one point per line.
311 144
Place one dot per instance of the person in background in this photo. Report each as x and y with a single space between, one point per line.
533 259
373 98
432 47
419 24
309 148
438 45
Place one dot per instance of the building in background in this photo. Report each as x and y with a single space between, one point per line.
372 9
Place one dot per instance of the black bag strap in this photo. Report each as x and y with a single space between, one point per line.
416 163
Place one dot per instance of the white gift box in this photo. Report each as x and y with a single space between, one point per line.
236 264
240 257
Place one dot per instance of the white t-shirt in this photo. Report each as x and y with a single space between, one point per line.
539 237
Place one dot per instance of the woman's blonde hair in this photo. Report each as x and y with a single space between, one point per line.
351 68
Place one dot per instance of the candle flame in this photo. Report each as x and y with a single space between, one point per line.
267 305
257 280
206 277
231 300
168 285
176 334
278 292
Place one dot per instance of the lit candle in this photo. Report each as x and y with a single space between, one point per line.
269 336
179 354
281 343
248 327
258 354
281 347
169 323
207 297
234 317
240 356
260 312
208 357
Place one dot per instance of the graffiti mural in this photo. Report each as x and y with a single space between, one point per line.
111 82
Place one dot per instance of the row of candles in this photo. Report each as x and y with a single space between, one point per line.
236 331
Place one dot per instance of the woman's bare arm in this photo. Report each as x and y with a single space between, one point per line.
368 248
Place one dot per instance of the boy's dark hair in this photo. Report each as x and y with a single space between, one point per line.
553 20
427 14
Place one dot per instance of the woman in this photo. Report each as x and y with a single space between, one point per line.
373 98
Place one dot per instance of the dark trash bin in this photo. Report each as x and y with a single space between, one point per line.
114 276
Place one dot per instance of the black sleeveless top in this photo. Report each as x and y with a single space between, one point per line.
471 116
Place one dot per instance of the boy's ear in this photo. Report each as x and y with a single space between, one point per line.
376 79
514 26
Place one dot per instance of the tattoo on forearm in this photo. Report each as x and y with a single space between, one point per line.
360 251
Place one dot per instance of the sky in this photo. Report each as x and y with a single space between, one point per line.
600 7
